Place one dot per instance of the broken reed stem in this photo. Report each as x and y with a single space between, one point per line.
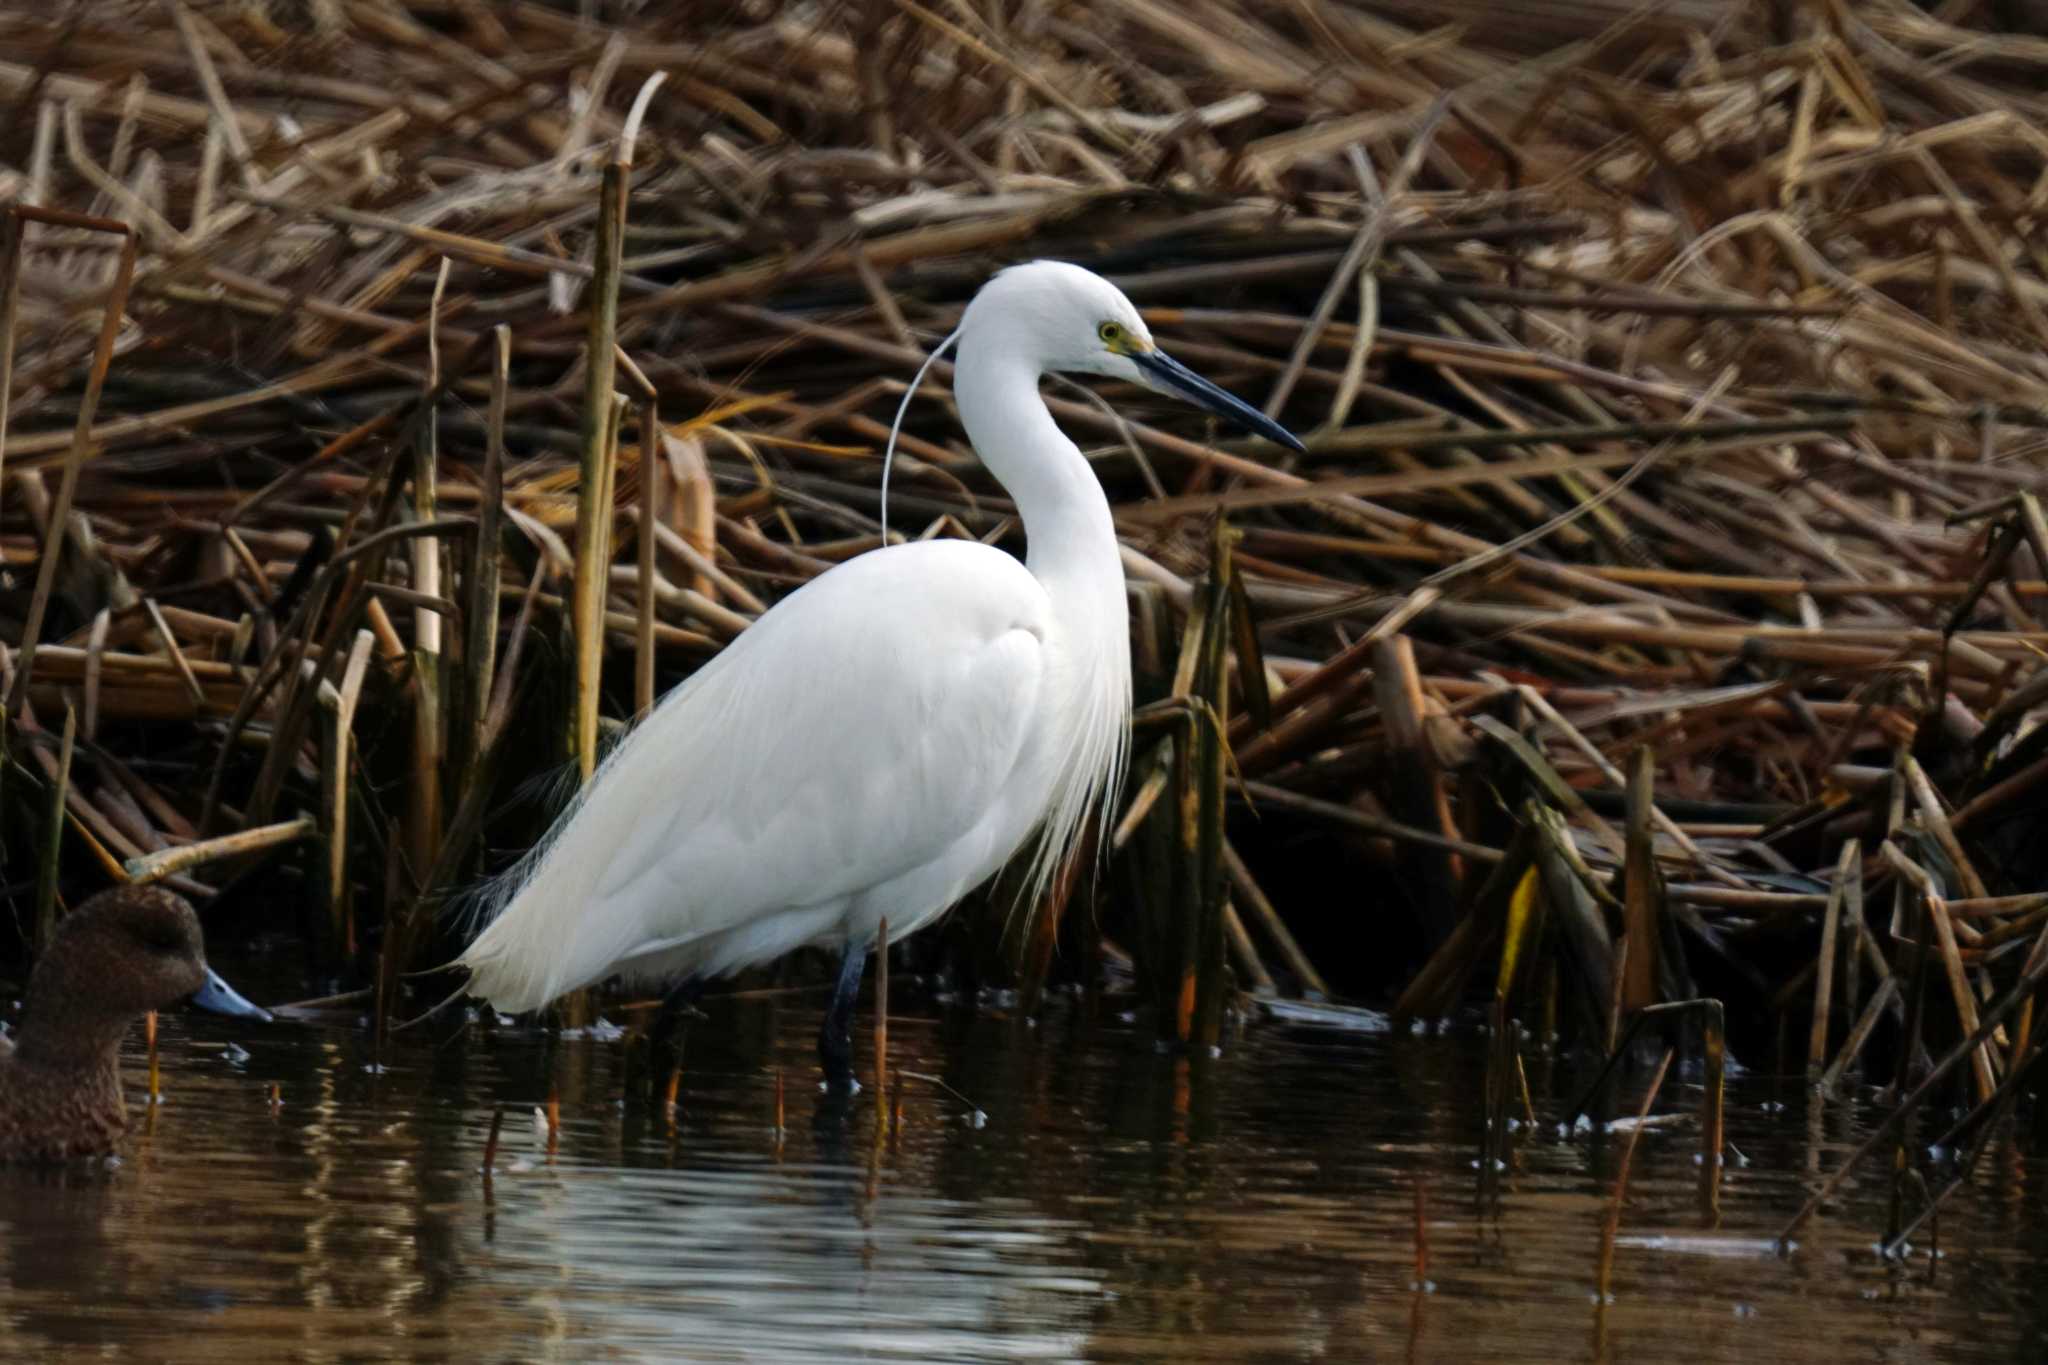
1987 1117
59 518
156 1089
1642 889
347 575
882 1021
1180 926
652 473
1359 257
1856 940
491 1140
1246 955
1933 911
1520 932
168 862
429 690
1416 790
337 759
1421 1234
1247 892
2031 978
594 475
1712 1100
16 228
1204 805
1884 997
1611 1228
1713 1109
178 659
1824 964
52 850
480 613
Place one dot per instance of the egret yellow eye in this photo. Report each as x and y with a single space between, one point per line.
1111 333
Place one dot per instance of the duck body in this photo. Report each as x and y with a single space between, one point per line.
122 953
54 1112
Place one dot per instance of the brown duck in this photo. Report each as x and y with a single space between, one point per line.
124 952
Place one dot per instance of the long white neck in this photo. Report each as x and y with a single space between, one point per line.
1070 539
1072 552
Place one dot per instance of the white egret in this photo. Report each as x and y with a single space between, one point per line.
887 736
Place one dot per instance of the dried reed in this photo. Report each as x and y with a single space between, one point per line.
1668 557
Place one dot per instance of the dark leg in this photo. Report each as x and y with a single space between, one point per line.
665 1035
835 1039
679 1004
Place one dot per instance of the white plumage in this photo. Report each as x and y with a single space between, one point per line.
886 737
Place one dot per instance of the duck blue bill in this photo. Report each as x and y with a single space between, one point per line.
1168 375
218 997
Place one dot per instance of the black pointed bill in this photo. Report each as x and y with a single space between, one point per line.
218 997
1168 375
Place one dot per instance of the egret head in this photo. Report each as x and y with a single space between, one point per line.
1065 318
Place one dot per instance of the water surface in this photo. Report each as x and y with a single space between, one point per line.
1089 1199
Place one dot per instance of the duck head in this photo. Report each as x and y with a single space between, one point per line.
122 953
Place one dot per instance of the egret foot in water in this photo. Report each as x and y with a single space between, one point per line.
835 1036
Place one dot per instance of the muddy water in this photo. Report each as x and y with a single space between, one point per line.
1088 1199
